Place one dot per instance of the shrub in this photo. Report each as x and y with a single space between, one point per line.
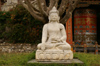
22 27
3 18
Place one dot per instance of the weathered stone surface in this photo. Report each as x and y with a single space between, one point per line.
16 48
58 62
53 55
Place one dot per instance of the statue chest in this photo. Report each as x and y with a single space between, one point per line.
53 29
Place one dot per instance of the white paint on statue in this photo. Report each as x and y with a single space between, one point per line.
54 45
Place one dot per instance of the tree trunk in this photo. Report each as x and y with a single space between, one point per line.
65 8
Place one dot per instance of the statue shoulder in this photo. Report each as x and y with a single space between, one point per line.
61 25
45 26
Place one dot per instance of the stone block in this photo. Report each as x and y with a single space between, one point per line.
53 55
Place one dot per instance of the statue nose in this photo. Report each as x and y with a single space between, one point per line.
54 17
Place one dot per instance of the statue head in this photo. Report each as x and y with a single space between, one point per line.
54 15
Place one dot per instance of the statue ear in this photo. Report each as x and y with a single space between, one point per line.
59 17
49 17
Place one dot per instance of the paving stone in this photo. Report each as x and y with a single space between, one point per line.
58 62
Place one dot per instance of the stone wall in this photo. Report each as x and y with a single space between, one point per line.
16 48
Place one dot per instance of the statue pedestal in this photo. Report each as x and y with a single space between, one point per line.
53 55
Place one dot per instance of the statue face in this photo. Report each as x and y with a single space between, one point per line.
54 17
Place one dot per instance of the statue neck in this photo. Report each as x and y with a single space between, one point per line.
53 21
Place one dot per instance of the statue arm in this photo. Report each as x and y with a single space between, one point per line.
44 33
63 33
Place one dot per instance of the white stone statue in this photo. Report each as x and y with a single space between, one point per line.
54 45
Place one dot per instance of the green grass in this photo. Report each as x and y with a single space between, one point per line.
21 59
16 59
89 59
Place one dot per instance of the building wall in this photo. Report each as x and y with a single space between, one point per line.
12 1
90 0
9 4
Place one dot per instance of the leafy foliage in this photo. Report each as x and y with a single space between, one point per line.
19 26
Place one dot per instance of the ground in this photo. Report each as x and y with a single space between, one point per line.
21 59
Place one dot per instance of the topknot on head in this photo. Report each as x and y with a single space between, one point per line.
54 10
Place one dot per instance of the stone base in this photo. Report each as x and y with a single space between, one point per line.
58 62
53 55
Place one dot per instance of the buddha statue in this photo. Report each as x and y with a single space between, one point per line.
53 39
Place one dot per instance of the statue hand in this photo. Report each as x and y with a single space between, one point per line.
43 47
59 40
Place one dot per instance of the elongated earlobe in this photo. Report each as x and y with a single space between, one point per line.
59 18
